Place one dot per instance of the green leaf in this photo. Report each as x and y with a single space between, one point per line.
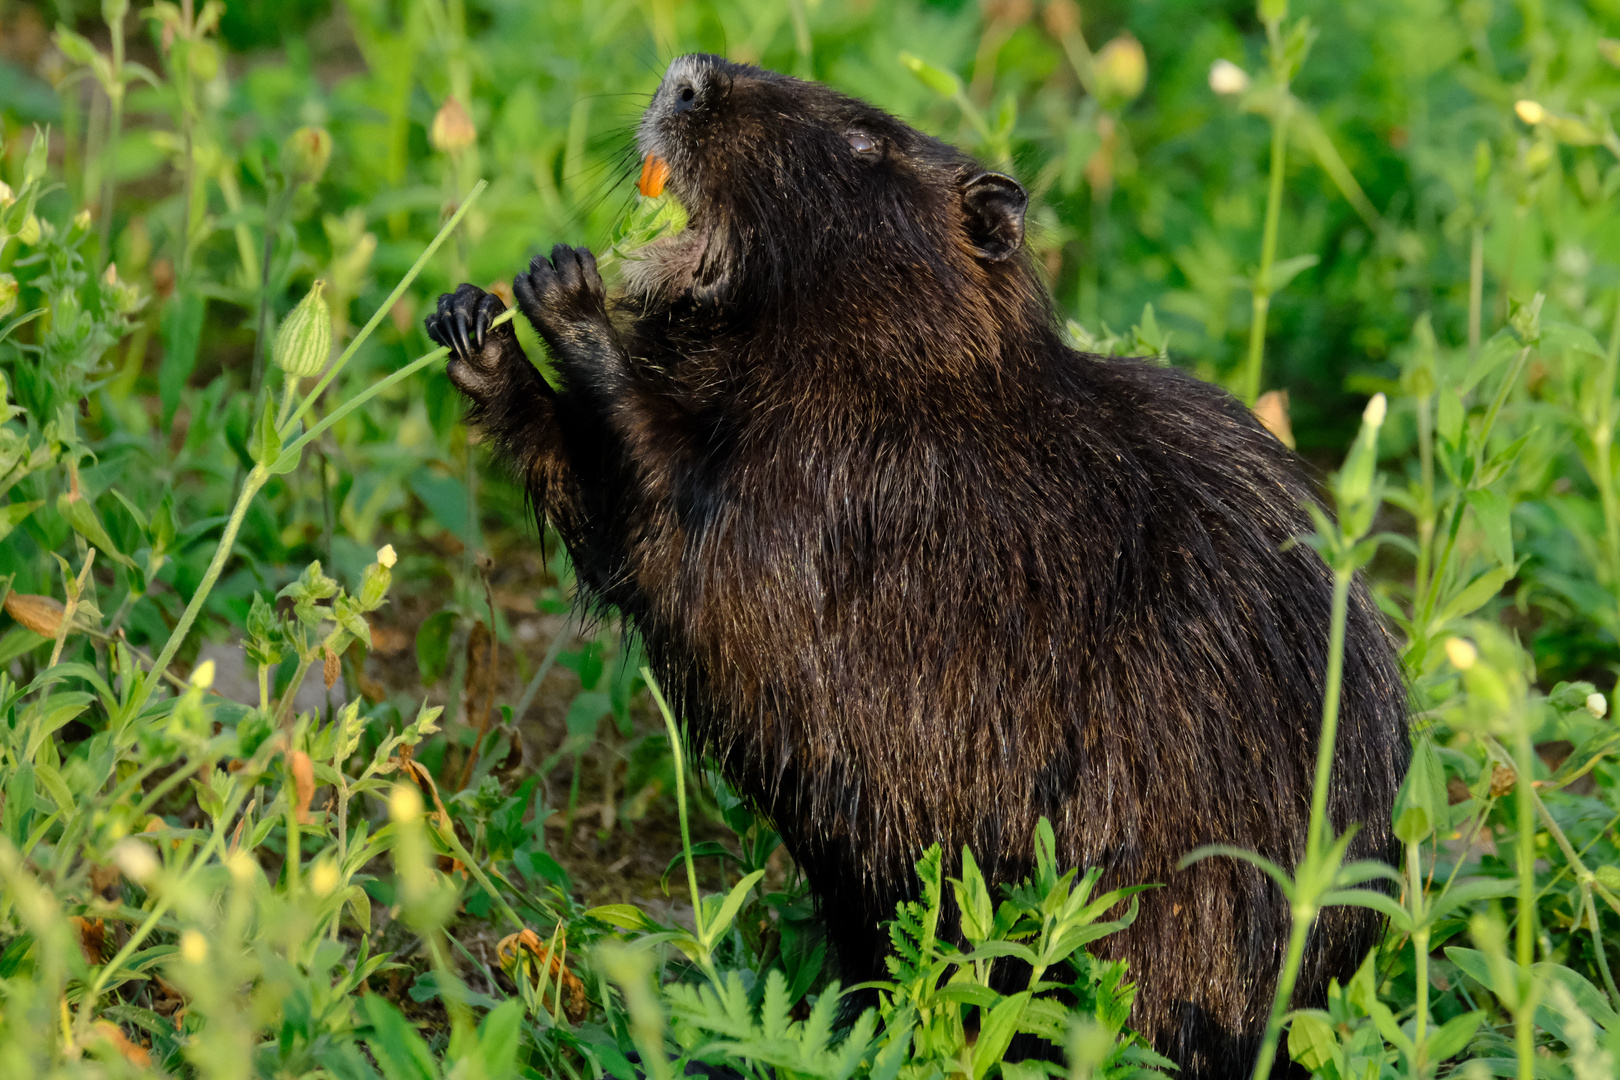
1285 270
728 911
265 446
937 79
973 898
182 332
624 916
996 1030
1495 516
499 1037
1476 595
1311 1041
87 523
1421 806
19 805
1399 917
1450 1040
433 645
585 712
398 1049
15 514
1470 891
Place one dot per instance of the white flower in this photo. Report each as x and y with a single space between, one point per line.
1226 78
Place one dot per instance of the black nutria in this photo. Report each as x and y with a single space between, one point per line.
913 569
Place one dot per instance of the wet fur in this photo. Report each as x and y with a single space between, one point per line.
913 570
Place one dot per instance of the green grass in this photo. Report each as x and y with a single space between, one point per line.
295 781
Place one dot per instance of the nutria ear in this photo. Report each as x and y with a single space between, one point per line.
995 214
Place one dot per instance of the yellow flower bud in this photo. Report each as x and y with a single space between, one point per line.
453 129
1461 653
193 947
404 803
1529 111
1121 69
8 294
30 231
304 341
202 676
386 556
305 154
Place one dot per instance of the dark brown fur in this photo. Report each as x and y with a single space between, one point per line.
914 570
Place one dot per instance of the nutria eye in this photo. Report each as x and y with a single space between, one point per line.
864 145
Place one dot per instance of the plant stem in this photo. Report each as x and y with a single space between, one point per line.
680 795
255 480
115 123
1525 854
1602 435
1426 508
1476 290
1268 240
1420 957
383 309
1303 917
1321 829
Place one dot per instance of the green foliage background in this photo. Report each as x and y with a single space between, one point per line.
1440 182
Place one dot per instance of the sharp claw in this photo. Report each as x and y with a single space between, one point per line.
459 327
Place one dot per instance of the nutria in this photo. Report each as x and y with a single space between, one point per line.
913 569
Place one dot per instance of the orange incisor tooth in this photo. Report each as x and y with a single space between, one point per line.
654 171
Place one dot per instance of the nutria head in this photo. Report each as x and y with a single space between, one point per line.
798 194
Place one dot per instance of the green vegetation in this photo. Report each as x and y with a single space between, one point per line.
297 780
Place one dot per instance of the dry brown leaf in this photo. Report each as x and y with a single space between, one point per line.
92 938
107 1031
1272 412
40 614
424 780
331 668
104 880
509 952
387 640
303 774
1502 781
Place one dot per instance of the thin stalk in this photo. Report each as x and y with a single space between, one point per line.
87 1003
255 480
1602 454
291 864
273 208
1420 956
680 795
384 308
1321 829
1426 508
1303 917
115 124
1524 1013
1476 290
1268 247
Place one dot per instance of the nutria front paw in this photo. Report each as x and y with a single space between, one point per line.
564 298
478 351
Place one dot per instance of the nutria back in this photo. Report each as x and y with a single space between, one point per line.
914 570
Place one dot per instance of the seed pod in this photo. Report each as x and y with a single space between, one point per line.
304 340
40 614
305 154
8 294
